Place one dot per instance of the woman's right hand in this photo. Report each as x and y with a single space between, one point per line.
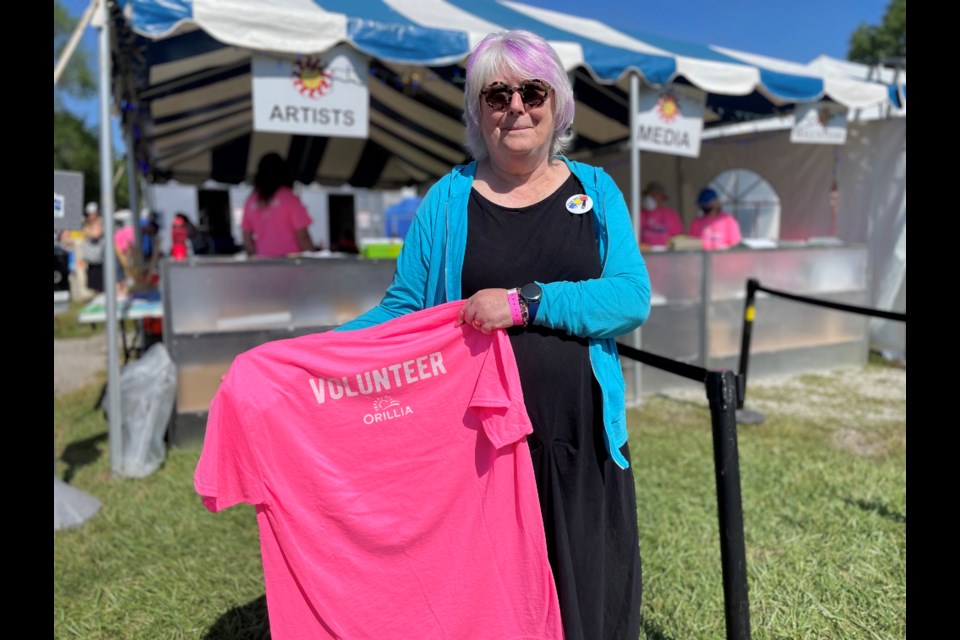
487 310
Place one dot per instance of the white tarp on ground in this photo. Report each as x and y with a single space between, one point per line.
71 507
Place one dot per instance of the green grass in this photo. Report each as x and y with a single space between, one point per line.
824 519
824 516
152 563
66 325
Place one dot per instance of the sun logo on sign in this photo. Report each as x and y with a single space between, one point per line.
311 78
668 108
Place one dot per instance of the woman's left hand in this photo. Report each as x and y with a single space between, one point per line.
486 310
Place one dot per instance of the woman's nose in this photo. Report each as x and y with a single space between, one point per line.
516 102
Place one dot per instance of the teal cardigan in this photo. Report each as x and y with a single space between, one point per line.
431 260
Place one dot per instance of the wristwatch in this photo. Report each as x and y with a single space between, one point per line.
531 293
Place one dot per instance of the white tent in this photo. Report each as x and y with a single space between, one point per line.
183 80
869 173
180 75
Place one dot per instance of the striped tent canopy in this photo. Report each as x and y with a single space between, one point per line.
182 82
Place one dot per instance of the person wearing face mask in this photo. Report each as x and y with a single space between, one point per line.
658 222
716 228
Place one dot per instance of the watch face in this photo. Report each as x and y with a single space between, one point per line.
531 292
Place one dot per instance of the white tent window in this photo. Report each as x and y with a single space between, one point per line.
752 201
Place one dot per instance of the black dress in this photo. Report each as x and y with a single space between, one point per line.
588 503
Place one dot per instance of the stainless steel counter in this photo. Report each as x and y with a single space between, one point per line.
216 308
697 313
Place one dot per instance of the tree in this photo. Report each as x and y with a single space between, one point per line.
78 78
872 44
75 146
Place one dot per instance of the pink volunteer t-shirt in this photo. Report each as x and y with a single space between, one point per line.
659 225
719 231
274 226
392 480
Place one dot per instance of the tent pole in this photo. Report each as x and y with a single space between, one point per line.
109 260
139 261
634 154
637 336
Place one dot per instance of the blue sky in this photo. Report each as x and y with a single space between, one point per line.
795 31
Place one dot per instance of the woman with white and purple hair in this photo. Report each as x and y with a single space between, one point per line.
543 247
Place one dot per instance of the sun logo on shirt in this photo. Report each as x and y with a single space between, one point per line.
311 78
384 402
667 108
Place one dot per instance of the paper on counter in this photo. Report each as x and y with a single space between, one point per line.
254 321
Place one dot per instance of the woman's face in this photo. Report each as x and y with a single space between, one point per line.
520 128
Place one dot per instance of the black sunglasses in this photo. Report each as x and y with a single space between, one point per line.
533 93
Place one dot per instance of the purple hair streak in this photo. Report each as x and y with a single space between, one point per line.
523 55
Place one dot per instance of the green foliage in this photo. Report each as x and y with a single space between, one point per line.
75 146
78 78
870 44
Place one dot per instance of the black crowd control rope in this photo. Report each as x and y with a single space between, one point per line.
889 315
680 368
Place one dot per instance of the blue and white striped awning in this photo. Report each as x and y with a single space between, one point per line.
186 81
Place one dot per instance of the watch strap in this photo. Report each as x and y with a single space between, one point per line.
533 306
533 303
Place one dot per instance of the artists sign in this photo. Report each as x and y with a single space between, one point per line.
317 95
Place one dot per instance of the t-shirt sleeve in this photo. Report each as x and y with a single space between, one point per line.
498 398
228 472
733 231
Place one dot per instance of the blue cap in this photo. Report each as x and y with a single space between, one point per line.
706 197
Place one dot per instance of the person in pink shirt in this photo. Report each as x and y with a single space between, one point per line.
123 241
123 234
275 222
658 222
716 229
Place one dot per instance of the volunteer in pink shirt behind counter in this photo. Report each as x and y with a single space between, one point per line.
275 222
658 222
716 229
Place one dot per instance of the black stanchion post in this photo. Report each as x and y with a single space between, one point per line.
746 416
721 393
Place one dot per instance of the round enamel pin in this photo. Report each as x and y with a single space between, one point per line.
580 203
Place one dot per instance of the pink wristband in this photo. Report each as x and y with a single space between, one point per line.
513 297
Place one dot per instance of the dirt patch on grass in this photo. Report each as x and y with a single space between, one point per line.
77 362
861 410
